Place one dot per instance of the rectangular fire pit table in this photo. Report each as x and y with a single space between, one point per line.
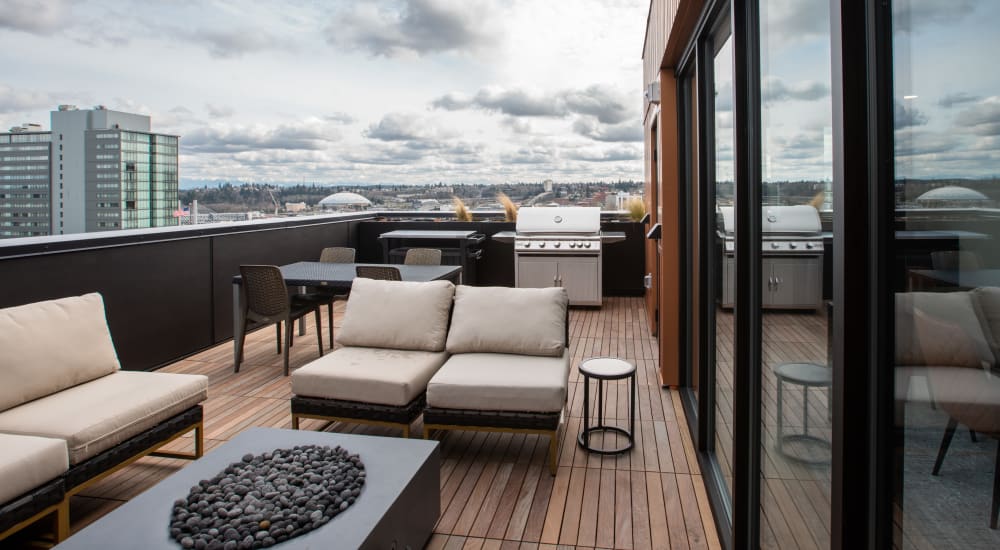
397 508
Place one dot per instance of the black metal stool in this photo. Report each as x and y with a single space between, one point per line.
601 369
807 375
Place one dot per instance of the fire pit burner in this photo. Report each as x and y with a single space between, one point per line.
268 498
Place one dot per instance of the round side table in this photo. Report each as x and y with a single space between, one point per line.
807 375
606 369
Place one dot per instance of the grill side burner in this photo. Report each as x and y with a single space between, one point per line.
791 257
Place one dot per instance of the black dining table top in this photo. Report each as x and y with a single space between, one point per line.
337 275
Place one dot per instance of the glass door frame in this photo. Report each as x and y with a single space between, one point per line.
863 433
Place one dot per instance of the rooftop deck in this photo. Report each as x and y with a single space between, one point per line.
496 491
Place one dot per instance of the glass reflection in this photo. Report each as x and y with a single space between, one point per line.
723 79
946 114
796 122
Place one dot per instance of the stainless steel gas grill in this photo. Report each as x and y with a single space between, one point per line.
560 246
791 257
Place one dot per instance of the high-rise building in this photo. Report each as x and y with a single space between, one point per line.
96 170
25 182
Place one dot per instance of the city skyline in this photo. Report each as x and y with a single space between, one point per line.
414 91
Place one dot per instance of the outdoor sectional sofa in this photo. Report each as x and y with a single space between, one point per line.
69 416
471 358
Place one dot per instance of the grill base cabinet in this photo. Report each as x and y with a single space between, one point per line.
787 282
580 275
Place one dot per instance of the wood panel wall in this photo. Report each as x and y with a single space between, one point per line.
669 26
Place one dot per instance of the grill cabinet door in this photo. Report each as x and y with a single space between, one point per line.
581 278
536 271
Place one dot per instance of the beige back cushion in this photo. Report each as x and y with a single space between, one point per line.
524 321
397 315
53 345
940 329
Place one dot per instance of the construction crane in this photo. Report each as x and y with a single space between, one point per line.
272 200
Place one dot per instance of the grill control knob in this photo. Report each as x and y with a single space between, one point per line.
556 245
792 245
809 245
586 245
572 245
775 245
541 244
527 244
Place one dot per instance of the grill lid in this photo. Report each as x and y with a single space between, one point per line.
786 220
558 220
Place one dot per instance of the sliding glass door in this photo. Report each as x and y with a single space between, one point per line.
946 273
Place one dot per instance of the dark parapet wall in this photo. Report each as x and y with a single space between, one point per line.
167 292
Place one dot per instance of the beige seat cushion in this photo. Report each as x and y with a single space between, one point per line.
987 300
28 462
369 375
525 321
500 382
102 413
935 328
53 345
397 315
969 395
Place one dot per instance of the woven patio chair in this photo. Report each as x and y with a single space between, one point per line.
267 302
422 256
381 272
327 296
337 255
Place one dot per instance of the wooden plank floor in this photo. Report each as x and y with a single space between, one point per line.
496 492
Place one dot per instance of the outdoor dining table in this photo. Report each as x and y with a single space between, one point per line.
334 276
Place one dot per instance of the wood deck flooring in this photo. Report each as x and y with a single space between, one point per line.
496 492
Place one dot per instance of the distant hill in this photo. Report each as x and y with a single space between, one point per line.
242 197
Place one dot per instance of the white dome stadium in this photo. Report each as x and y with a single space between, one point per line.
344 199
952 193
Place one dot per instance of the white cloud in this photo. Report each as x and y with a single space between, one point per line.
418 27
41 17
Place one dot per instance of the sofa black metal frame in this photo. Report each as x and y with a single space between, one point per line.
336 410
147 443
54 496
538 423
34 505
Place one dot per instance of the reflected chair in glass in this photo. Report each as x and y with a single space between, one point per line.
381 272
970 397
326 296
422 256
266 301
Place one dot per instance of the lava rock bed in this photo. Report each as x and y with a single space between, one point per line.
268 498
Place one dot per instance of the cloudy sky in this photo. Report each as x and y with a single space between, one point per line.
380 91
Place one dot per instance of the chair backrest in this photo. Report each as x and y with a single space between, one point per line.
422 256
384 273
266 293
337 255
